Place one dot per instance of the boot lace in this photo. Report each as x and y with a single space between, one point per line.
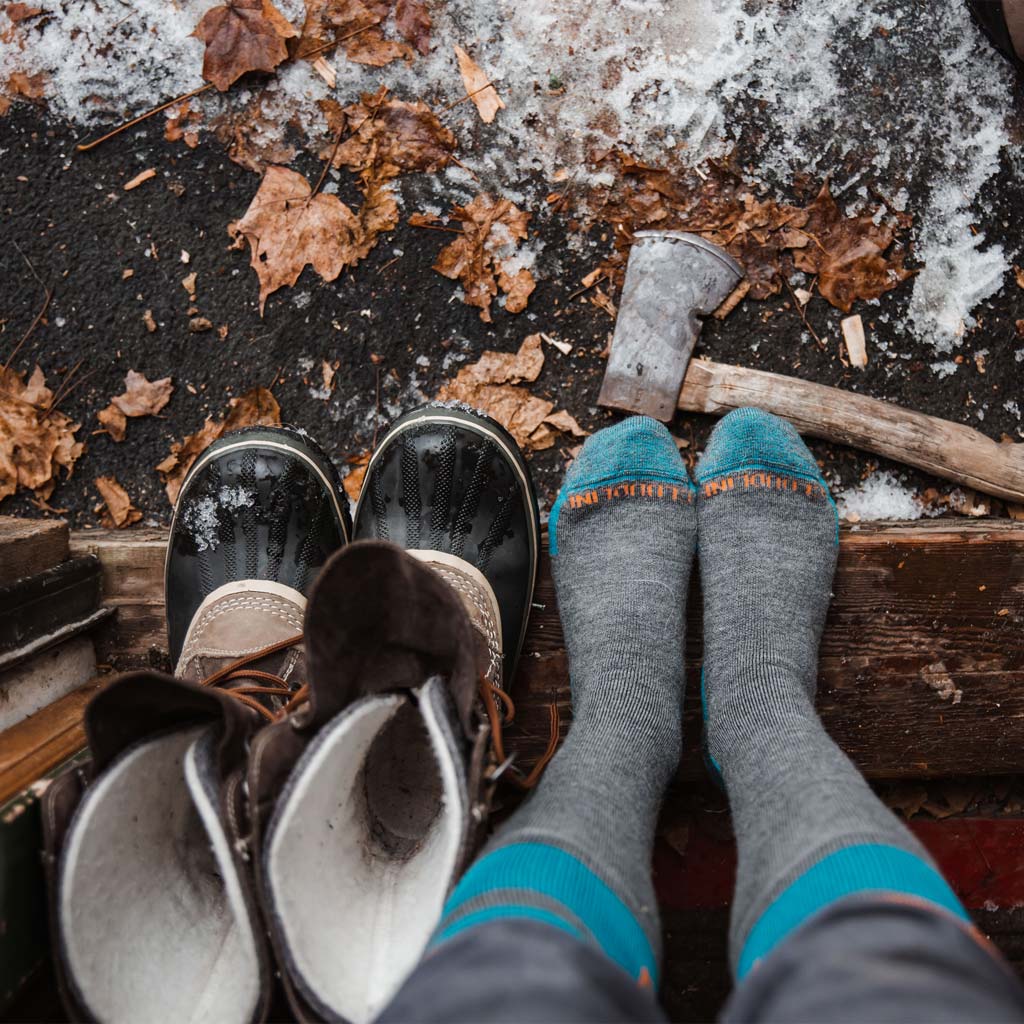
266 684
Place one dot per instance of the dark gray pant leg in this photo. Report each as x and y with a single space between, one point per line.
519 972
873 959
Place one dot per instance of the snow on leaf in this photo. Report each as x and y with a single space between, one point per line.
256 408
141 398
241 36
35 440
491 231
413 21
288 228
484 96
491 385
119 510
359 21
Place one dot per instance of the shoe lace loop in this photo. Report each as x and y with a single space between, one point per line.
273 685
492 696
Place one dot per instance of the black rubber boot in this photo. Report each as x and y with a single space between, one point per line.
263 503
450 486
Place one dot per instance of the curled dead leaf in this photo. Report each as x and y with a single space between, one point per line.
35 440
242 36
490 385
256 408
478 87
119 511
141 397
483 257
353 479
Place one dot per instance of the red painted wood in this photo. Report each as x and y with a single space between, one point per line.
982 858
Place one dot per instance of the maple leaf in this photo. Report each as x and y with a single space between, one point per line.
484 96
31 87
288 228
481 257
119 511
141 398
359 21
35 440
241 36
848 254
490 385
413 21
256 408
392 137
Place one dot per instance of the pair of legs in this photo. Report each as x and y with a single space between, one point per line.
839 914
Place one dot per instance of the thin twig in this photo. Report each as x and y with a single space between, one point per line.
47 295
586 288
468 96
800 311
84 147
439 227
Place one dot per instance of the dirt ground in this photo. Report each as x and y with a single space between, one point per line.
69 215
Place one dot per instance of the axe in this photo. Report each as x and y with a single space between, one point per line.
672 280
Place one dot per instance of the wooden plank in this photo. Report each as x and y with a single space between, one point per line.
921 610
938 446
33 747
28 546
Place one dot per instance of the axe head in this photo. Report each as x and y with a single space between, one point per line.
672 280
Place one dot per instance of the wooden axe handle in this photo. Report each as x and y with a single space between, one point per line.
943 448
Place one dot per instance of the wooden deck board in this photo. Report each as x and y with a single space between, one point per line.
922 662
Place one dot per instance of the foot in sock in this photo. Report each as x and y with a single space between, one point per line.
808 828
578 853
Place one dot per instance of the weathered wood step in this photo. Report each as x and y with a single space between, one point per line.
922 663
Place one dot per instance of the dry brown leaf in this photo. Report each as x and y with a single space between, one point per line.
360 21
850 255
600 298
488 385
371 48
119 511
288 228
141 397
256 408
20 12
413 21
35 442
32 87
478 88
353 479
1018 273
241 36
491 230
392 137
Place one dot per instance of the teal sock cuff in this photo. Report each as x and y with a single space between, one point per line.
552 874
868 867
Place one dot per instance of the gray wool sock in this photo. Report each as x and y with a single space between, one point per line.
578 852
808 828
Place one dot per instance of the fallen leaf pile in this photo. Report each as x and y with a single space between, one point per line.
36 441
242 36
490 385
483 257
117 509
852 257
360 24
141 398
256 408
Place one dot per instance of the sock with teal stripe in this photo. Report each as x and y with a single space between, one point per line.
577 854
809 831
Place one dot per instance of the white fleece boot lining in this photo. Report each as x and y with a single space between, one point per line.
146 924
356 911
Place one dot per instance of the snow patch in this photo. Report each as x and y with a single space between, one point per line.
881 496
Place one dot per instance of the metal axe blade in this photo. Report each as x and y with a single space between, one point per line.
672 279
